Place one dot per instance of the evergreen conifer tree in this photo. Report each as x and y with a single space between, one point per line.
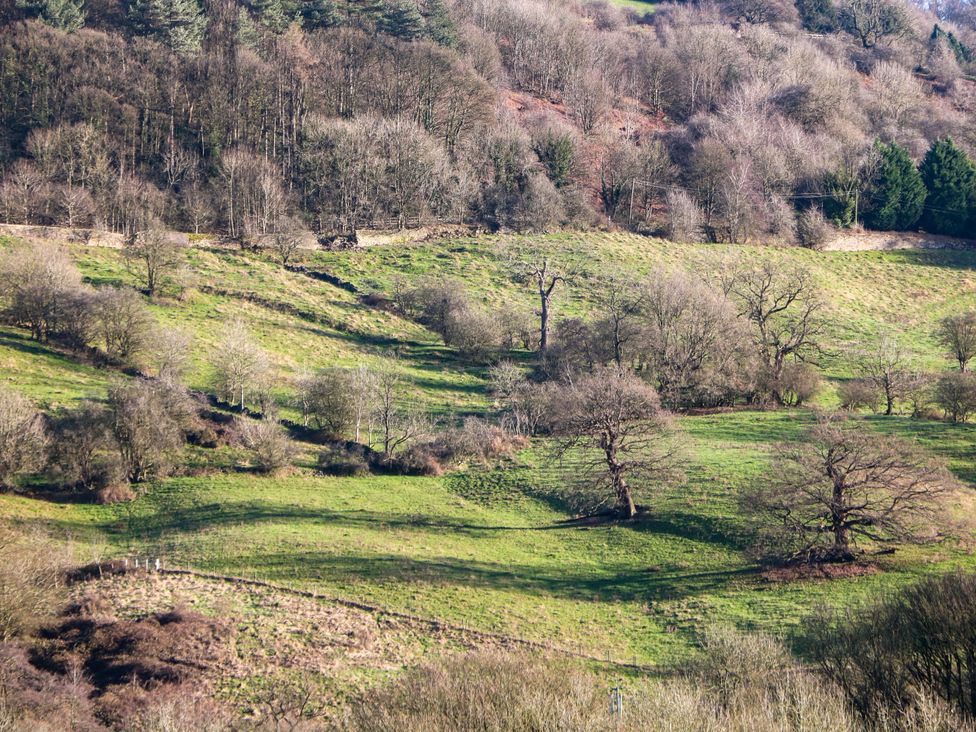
319 14
178 24
365 12
66 15
271 14
895 194
247 33
817 16
440 25
402 19
950 178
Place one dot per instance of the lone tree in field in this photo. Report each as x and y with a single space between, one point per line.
615 419
286 240
887 367
844 484
155 254
957 334
784 307
545 275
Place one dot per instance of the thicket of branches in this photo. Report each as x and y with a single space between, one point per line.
260 119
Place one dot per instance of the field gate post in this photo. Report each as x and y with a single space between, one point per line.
616 702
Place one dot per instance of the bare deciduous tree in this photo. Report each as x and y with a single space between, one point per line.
955 393
957 334
169 354
149 419
784 307
23 437
844 484
886 366
241 365
545 275
684 217
690 339
615 420
157 254
286 240
398 424
874 21
327 399
621 305
124 322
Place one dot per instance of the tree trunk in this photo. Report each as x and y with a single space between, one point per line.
626 507
544 323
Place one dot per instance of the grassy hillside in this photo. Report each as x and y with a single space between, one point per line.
485 547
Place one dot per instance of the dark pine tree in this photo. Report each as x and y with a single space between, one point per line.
895 195
178 24
67 15
817 16
440 25
402 19
319 14
950 178
364 12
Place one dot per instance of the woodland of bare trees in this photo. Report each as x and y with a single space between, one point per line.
731 121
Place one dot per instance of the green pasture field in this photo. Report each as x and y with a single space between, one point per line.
486 547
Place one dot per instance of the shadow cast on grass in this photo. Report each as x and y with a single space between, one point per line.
570 583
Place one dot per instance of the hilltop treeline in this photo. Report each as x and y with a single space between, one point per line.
730 121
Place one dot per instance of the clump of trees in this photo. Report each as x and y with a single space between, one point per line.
392 114
43 292
895 652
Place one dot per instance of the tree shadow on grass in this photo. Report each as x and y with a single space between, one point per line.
566 582
705 529
951 258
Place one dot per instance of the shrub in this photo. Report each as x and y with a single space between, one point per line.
23 437
269 445
115 492
955 393
84 452
476 439
346 460
798 383
812 228
31 573
858 394
415 460
917 640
